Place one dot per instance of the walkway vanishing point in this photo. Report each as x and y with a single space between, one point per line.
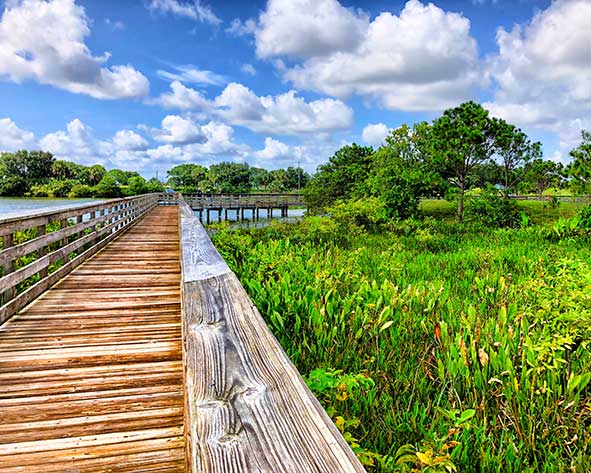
127 345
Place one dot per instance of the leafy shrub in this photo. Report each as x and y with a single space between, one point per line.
493 211
81 190
571 227
107 187
54 188
13 186
356 216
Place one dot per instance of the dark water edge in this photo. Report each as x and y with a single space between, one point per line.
293 215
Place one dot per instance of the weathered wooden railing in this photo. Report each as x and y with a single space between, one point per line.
41 248
237 201
247 409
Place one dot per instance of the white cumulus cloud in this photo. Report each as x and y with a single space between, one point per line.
177 130
77 143
305 28
285 114
248 69
420 60
374 134
542 72
129 140
182 98
273 149
44 41
13 138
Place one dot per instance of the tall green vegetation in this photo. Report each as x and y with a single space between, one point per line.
580 168
434 346
457 155
461 139
401 171
515 151
343 177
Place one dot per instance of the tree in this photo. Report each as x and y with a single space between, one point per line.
401 171
23 169
107 187
461 139
542 174
295 178
286 180
137 185
580 168
344 176
259 178
154 185
231 177
95 174
186 176
486 174
515 151
119 176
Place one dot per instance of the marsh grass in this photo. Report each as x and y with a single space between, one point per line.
434 346
539 212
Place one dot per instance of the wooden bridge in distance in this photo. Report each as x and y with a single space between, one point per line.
127 345
205 204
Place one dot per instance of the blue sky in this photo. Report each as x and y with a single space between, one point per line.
148 84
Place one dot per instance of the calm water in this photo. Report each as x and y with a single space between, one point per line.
11 206
249 216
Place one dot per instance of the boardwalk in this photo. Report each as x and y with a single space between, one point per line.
91 373
107 371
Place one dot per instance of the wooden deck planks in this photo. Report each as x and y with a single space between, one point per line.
91 373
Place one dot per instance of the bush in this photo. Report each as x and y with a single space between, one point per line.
13 186
493 211
81 190
137 185
355 216
107 187
55 188
571 227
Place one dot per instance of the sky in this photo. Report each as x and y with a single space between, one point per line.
148 84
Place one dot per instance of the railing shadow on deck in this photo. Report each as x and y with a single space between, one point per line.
247 408
49 244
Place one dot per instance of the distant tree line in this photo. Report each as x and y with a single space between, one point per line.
39 174
235 178
462 151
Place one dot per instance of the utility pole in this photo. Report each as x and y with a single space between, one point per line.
299 176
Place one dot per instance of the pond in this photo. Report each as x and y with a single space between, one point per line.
13 206
249 216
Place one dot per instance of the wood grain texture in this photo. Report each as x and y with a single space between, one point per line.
91 373
247 409
106 220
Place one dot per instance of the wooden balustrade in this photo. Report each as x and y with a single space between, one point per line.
39 249
246 406
237 201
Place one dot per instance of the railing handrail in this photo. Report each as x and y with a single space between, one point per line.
246 406
73 210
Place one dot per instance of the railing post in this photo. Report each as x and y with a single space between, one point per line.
8 267
41 251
